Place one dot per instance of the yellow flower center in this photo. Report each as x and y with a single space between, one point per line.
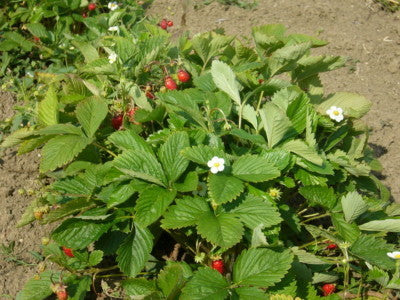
336 113
216 164
397 256
273 193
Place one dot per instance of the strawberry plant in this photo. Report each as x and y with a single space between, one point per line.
232 184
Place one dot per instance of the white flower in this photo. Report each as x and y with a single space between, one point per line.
216 164
113 28
335 113
112 5
201 189
112 58
394 255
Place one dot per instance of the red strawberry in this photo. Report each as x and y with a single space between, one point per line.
150 95
183 76
68 251
218 265
328 288
331 246
36 39
163 24
62 295
91 6
84 15
170 23
117 121
131 115
170 83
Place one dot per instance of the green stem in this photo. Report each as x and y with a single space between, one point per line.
315 218
105 149
346 271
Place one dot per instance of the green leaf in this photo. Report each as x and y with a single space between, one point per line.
152 203
261 267
279 158
48 108
172 278
170 155
254 211
353 206
307 257
224 188
206 283
388 225
67 209
224 230
276 124
134 252
301 149
60 129
285 58
243 134
95 257
17 137
250 115
19 40
224 79
129 140
319 195
138 286
258 237
91 113
353 105
374 250
337 136
250 293
114 195
205 82
141 164
202 154
38 289
189 184
186 212
254 168
313 65
37 29
349 232
61 150
88 51
77 233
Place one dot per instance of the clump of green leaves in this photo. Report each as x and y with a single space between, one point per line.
389 5
242 163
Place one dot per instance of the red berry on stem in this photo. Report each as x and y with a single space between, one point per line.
331 246
328 289
117 121
218 265
183 76
163 24
150 95
84 15
92 6
170 23
131 115
67 251
170 83
62 295
36 39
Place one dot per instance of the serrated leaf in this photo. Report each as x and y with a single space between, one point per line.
374 250
202 154
254 168
17 137
129 140
353 105
37 289
276 124
77 233
91 113
279 158
301 149
67 209
307 257
95 257
286 57
337 136
152 203
186 212
224 230
353 206
254 211
60 129
254 138
141 164
250 115
48 108
138 286
251 293
205 82
224 188
37 29
224 79
388 225
19 40
349 232
61 150
172 278
261 267
206 283
189 184
258 237
88 51
170 155
134 252
319 195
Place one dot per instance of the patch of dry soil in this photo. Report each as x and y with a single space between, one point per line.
357 29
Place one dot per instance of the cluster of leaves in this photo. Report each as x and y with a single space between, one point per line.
389 5
293 179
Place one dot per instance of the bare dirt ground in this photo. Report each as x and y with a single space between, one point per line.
355 28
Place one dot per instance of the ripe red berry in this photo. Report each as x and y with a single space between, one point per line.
328 289
117 121
84 15
170 23
163 24
67 251
91 6
170 83
331 246
36 39
183 76
150 95
218 265
131 115
62 295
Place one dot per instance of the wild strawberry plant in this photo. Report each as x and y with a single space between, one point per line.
208 169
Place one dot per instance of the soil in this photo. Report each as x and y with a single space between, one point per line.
357 29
